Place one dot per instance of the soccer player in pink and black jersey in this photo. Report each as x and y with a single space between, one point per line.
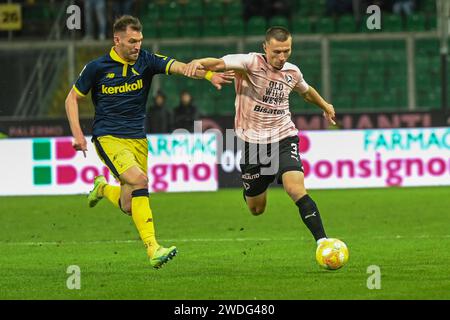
263 83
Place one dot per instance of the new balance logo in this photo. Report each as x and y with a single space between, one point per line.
123 88
135 72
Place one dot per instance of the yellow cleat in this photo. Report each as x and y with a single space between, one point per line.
162 256
93 197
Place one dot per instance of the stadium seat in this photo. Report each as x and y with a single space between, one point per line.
234 26
212 28
214 9
279 21
391 23
429 7
346 24
376 58
317 8
303 12
325 25
388 100
301 25
427 48
150 30
193 9
308 8
380 99
433 99
171 11
416 22
351 82
296 4
256 26
233 8
36 12
399 97
431 23
168 29
190 28
343 101
336 79
421 64
152 12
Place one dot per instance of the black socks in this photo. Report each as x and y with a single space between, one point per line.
311 217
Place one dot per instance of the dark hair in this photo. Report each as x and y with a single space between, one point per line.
121 24
277 33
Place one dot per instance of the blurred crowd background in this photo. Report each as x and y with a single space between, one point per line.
397 68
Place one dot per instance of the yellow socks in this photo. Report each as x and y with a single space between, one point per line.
141 213
112 193
143 219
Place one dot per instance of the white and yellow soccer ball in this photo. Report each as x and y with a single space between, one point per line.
332 254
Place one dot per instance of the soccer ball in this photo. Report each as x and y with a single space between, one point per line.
332 254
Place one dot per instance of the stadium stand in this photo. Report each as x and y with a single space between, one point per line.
308 16
363 74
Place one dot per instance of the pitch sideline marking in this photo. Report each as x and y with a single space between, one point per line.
36 243
28 243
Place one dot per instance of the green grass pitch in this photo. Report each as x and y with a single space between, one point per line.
224 251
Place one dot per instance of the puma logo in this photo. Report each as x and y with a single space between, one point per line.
311 215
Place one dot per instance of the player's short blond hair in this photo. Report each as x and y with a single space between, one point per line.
277 33
122 23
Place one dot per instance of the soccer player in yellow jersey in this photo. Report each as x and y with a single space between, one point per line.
119 83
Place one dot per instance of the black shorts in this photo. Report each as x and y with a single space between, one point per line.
262 163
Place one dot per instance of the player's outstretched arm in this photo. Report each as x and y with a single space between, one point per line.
312 96
216 78
212 64
79 141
